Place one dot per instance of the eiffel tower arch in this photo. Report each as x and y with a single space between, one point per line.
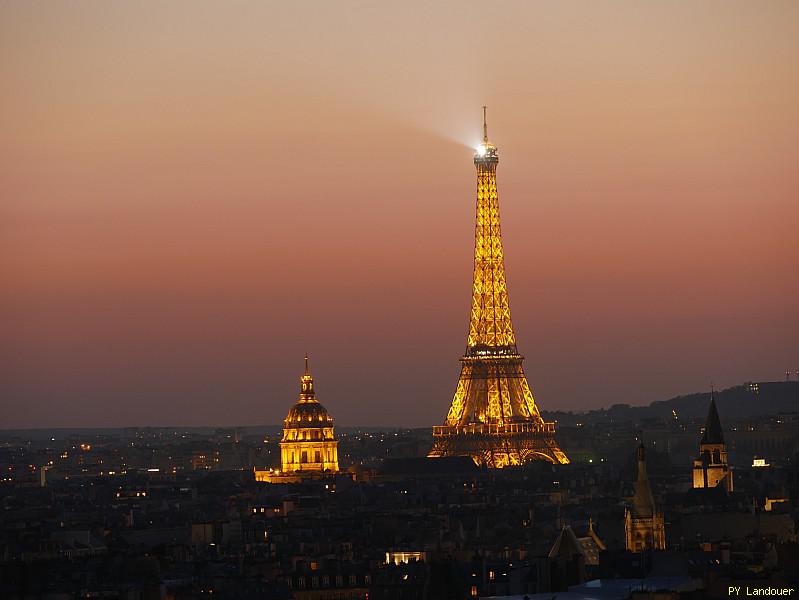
493 416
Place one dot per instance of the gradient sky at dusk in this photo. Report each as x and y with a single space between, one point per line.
194 194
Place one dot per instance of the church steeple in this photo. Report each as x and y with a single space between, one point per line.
711 468
644 525
713 433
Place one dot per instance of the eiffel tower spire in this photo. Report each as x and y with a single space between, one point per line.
490 324
493 417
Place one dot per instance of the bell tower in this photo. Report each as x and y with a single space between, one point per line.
711 468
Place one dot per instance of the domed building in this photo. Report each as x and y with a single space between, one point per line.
308 444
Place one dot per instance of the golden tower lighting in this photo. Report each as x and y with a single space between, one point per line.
493 417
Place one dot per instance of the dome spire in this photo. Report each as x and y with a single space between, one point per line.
306 384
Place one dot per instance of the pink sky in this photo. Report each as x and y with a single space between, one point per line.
194 194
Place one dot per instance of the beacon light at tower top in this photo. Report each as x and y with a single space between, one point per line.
486 151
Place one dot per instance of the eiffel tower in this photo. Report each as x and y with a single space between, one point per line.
493 417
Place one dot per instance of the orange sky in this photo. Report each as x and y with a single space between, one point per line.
194 194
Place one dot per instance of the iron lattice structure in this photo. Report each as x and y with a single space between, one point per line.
493 417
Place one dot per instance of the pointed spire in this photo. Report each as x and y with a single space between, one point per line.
485 127
643 502
713 433
307 371
641 457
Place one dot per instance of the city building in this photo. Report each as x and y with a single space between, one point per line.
493 417
309 443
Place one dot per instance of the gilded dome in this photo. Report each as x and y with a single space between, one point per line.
308 414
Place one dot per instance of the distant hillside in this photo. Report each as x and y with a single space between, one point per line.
747 400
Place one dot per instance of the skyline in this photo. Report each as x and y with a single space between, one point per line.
190 206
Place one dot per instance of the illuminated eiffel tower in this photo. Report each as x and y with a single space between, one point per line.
493 417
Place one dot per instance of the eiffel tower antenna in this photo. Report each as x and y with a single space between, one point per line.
493 417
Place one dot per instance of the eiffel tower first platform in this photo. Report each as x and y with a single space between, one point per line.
493 417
